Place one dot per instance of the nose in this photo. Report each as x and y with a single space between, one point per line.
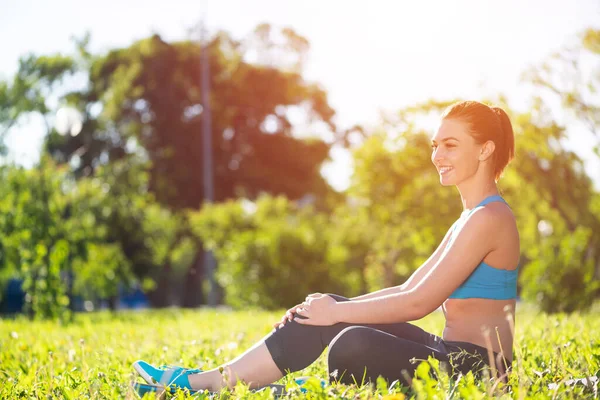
436 156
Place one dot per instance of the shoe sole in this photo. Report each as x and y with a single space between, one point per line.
143 373
143 388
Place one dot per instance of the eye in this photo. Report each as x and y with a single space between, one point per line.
433 146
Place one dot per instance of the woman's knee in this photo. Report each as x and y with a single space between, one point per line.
348 345
350 354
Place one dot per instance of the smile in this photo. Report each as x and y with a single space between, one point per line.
445 170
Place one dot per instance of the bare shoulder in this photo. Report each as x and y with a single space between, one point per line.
497 214
493 218
498 220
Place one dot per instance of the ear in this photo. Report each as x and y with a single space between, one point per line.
487 150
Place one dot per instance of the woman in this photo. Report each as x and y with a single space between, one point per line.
472 275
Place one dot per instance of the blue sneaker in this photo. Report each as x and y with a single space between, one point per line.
165 375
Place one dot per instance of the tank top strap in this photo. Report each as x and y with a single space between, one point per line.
491 199
487 200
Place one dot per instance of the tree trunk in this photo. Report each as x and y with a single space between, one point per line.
159 297
112 303
192 287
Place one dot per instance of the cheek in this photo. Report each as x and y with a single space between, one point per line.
463 161
469 163
453 156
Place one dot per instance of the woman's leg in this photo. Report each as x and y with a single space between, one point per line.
286 349
254 367
296 346
292 348
360 354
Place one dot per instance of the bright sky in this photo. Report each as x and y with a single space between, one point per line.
369 56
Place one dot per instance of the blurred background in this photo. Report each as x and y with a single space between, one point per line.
204 153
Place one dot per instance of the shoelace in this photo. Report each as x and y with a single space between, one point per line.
188 370
169 370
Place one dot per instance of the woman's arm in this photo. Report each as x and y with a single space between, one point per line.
476 239
472 244
416 276
379 293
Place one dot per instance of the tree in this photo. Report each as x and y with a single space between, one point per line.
553 200
147 98
572 74
149 94
35 80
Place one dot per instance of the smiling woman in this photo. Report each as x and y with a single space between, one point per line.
472 275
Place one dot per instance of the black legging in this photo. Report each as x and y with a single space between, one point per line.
382 349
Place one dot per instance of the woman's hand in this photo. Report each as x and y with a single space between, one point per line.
317 310
289 314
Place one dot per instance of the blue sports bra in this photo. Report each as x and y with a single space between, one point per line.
486 281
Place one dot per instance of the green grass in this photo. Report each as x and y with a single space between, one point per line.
92 357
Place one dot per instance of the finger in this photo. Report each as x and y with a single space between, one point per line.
302 311
304 321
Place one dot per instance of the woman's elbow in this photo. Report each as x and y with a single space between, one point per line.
417 307
422 305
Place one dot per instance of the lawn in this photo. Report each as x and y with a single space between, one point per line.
92 357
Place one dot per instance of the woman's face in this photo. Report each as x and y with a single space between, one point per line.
454 152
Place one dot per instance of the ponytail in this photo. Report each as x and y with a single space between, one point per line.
506 152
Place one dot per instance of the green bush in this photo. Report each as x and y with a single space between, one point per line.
561 278
276 254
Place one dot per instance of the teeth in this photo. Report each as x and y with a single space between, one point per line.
443 170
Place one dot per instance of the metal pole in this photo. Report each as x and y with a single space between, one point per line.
209 260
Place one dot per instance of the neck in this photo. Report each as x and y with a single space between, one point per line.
473 192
